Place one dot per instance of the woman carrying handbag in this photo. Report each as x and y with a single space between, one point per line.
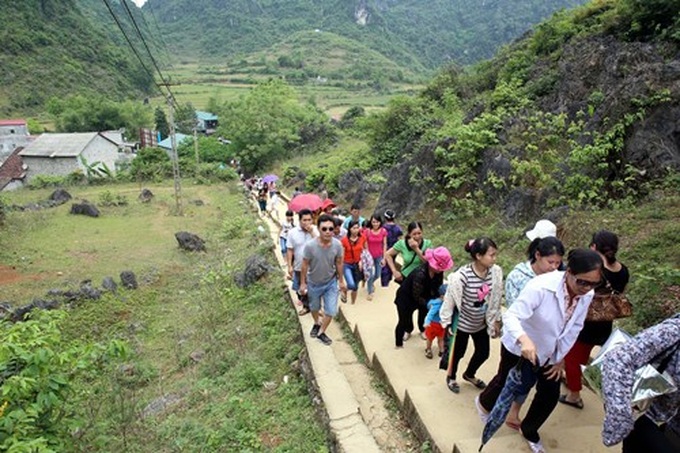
615 277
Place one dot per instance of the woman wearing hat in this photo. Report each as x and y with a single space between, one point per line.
418 288
475 290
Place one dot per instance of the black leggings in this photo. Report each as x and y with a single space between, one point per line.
481 342
405 323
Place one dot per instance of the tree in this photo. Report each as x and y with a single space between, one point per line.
266 124
161 122
185 118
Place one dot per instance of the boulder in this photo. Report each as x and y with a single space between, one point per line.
145 196
189 241
109 284
87 291
256 268
85 208
129 280
60 196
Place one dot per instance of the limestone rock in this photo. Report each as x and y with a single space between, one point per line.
189 241
129 280
85 208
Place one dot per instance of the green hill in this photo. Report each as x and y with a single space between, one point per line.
413 33
62 48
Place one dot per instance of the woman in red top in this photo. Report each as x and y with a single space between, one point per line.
353 244
376 239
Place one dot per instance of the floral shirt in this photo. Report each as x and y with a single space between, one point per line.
618 370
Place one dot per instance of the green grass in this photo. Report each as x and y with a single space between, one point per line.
245 394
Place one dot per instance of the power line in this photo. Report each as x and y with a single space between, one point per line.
139 57
146 46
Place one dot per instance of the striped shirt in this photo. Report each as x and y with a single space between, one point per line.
474 303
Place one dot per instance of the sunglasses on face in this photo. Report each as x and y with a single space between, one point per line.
326 228
586 283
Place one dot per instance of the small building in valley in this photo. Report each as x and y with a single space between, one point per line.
13 134
206 122
166 144
62 154
12 171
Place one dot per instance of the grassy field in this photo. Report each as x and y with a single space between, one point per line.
199 83
241 391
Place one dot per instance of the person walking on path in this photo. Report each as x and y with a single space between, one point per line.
545 255
262 194
298 236
417 289
394 233
376 241
652 432
615 277
412 250
353 244
433 324
355 214
475 290
541 326
321 276
286 226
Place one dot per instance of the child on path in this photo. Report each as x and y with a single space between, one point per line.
433 325
286 226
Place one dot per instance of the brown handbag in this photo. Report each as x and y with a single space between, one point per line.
609 305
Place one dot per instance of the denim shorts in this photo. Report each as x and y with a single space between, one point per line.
328 292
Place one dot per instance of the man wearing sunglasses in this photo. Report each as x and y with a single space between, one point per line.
321 276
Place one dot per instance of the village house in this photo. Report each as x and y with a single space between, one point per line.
13 133
206 122
166 144
63 154
12 171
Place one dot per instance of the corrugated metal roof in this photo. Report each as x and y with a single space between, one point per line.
166 143
59 145
206 116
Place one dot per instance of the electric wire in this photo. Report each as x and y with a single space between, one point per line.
139 57
146 46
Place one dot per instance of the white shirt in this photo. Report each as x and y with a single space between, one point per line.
539 312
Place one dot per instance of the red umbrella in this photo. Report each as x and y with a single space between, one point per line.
305 201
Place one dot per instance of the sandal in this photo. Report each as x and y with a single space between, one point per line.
577 404
343 297
428 353
476 382
452 385
303 311
513 425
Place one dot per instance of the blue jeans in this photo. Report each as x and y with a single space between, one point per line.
328 292
284 248
376 275
351 272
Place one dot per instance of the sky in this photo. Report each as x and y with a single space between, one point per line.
139 2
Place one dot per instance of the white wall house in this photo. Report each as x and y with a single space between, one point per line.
60 154
13 134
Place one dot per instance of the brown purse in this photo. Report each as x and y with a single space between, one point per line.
609 305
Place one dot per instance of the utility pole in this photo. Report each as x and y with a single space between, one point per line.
196 148
175 159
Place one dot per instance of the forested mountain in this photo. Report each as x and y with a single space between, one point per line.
410 32
57 48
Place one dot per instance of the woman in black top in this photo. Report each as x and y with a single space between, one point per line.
417 289
594 333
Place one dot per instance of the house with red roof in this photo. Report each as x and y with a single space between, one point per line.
12 171
13 133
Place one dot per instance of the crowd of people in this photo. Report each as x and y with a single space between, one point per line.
544 327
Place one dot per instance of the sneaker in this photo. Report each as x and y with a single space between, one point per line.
315 331
423 336
428 353
452 385
536 447
324 339
483 414
407 335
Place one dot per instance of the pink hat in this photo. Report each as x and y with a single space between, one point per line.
439 259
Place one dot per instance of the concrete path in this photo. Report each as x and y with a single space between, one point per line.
449 421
